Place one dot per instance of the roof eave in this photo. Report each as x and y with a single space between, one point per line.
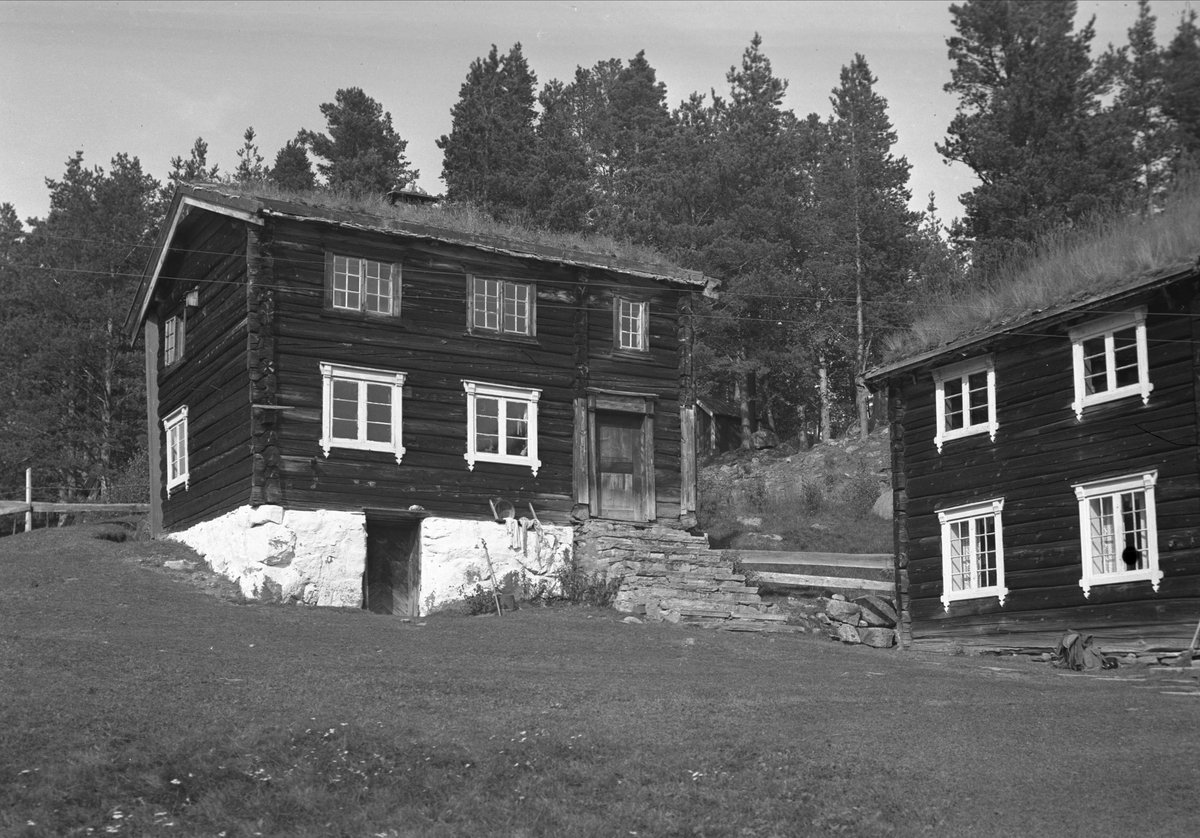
1041 318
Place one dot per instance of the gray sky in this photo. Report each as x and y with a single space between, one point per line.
147 78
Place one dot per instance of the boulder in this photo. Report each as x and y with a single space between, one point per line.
880 638
843 612
848 634
877 611
764 438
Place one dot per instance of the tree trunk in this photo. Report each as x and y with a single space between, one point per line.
823 434
744 387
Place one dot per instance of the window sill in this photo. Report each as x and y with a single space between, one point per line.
1126 392
503 338
501 459
962 433
1152 575
999 592
361 316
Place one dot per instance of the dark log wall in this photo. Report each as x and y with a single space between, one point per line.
429 341
1040 451
209 253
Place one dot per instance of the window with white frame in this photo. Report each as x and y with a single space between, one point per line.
1118 531
354 284
501 306
176 427
1110 360
501 425
966 399
361 409
173 331
632 320
972 552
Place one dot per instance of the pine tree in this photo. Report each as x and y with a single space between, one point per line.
293 169
1031 123
559 197
250 162
489 150
75 403
195 167
1181 94
362 151
862 193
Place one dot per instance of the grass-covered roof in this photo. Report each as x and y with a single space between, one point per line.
1069 270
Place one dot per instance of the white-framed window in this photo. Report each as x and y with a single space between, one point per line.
1118 531
173 334
966 399
1110 360
501 306
631 325
973 552
361 409
502 425
176 427
354 284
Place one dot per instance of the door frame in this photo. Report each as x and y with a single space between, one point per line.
393 517
640 404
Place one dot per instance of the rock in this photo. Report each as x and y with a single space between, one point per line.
879 638
877 611
848 634
883 505
764 438
179 564
839 597
750 521
633 621
824 620
843 612
765 536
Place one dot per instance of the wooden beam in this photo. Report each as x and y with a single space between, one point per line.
11 507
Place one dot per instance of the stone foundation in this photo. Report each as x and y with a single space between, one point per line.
319 557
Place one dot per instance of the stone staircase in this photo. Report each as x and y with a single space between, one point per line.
669 574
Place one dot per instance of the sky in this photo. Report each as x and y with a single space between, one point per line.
147 78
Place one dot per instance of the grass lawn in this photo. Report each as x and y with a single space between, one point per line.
133 701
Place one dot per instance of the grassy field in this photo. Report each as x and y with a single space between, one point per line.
135 700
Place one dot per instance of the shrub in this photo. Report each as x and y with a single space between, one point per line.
577 586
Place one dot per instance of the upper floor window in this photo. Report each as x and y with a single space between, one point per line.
631 325
1110 359
176 427
1119 533
500 306
972 552
966 399
354 284
361 408
502 425
173 333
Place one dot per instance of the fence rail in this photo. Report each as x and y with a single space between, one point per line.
16 507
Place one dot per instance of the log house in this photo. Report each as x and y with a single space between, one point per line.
351 408
1045 474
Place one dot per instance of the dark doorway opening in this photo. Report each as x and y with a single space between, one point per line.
392 582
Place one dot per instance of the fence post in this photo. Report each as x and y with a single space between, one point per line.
29 499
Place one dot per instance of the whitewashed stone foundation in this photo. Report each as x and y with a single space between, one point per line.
318 557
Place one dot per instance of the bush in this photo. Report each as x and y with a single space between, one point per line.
577 586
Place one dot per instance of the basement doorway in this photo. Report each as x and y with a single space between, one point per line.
392 582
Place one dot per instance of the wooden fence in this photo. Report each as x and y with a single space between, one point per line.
29 506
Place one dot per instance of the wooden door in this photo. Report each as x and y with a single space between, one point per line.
620 465
392 581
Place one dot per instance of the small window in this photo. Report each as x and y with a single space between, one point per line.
176 426
501 425
1110 360
972 552
966 400
361 409
173 332
364 285
631 325
500 306
1119 534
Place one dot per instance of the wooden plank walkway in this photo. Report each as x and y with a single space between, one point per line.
846 573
